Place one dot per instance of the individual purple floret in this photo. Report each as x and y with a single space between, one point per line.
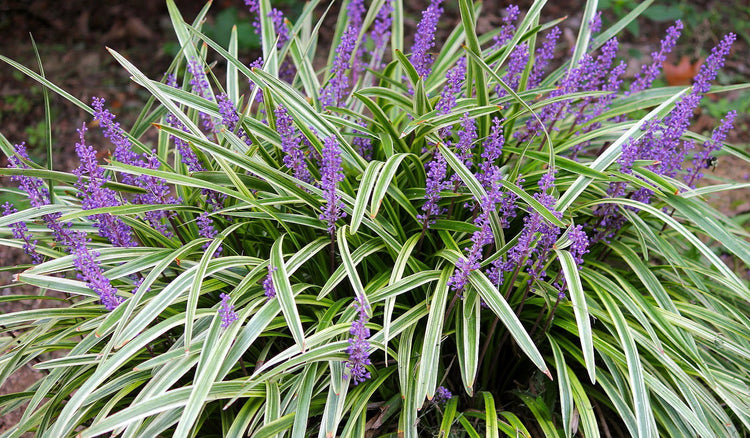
94 194
359 357
702 159
508 28
424 39
331 174
542 57
268 288
519 58
436 172
226 311
442 395
649 72
21 232
294 158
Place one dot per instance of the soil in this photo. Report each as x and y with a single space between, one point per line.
71 37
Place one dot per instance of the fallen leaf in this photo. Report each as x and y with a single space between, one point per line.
682 73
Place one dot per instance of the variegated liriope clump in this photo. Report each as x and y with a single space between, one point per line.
463 235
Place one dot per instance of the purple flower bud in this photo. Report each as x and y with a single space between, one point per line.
331 174
226 311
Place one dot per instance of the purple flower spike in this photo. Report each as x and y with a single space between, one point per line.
436 172
703 158
649 72
454 79
331 174
466 136
279 24
186 153
226 311
713 64
294 158
268 288
21 232
543 56
335 92
362 143
94 194
76 242
359 357
229 117
508 27
424 40
200 86
381 32
492 150
579 245
519 57
206 230
442 395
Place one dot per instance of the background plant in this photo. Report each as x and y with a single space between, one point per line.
421 238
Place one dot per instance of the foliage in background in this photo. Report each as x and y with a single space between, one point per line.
454 239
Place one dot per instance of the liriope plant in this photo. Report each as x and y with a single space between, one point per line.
466 237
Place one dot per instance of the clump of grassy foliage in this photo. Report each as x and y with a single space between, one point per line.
464 238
